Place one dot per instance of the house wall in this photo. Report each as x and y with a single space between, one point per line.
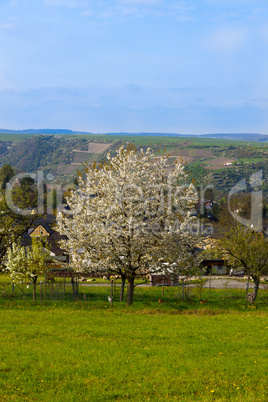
39 231
159 279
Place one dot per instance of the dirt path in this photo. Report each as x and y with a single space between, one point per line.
221 283
230 283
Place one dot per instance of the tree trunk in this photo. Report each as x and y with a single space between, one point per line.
123 277
112 293
247 289
73 287
130 290
77 288
256 288
34 288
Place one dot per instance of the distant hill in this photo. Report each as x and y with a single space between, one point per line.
42 152
226 136
222 136
237 136
56 154
42 131
210 158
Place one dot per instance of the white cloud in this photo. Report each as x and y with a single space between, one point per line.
114 9
66 3
264 32
182 6
103 5
6 26
142 2
227 40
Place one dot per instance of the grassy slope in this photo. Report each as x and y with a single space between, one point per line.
15 137
138 139
75 354
44 152
87 350
147 140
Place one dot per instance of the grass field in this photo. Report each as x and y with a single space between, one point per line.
75 353
15 137
162 140
140 140
86 350
253 160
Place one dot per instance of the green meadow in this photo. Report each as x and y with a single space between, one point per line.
63 348
14 137
145 140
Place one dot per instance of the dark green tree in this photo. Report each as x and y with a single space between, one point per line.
246 249
6 173
12 222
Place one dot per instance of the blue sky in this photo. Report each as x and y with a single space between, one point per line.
196 66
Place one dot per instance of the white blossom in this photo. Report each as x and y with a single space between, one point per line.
127 213
26 263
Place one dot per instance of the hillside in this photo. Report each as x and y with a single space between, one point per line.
226 136
46 152
208 160
41 152
56 154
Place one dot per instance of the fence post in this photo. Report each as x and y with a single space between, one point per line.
247 291
111 300
77 289
41 292
51 291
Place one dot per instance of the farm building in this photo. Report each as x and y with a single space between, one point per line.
166 279
44 228
215 266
